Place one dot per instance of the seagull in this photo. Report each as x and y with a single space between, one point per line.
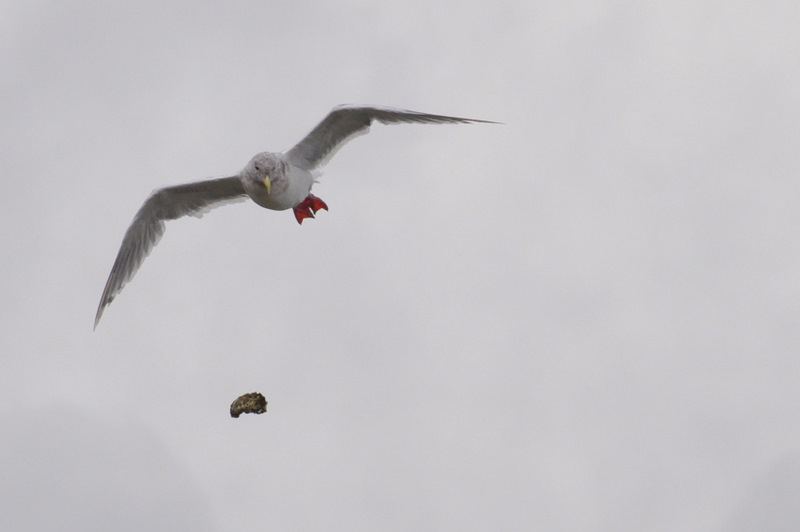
277 181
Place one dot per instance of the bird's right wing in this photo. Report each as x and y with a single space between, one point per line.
347 121
148 225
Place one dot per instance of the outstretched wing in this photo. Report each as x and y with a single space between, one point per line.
346 121
148 225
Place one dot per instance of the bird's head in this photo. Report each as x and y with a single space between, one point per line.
264 170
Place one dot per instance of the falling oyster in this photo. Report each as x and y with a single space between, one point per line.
249 403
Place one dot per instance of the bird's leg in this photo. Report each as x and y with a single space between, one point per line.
308 208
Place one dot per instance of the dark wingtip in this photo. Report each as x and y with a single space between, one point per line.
97 316
479 121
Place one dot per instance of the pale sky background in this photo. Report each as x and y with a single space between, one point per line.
583 320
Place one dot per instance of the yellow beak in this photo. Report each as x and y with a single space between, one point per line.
268 185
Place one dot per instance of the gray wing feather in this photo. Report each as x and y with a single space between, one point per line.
347 121
148 225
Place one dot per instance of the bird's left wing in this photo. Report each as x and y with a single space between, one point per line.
346 121
148 225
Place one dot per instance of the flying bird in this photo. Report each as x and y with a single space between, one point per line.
277 181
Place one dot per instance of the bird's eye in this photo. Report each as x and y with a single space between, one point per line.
258 169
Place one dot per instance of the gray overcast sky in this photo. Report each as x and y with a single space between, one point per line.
585 319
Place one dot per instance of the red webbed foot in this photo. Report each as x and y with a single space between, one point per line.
308 208
301 212
316 203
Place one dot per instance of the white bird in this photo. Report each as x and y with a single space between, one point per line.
277 181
